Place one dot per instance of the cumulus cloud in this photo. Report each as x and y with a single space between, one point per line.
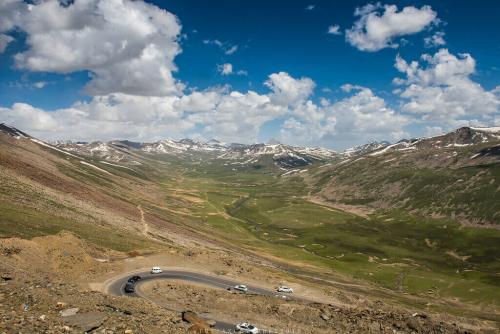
241 115
288 90
435 40
378 26
228 115
128 46
334 30
439 88
227 69
365 116
310 7
4 41
11 12
115 116
350 87
358 118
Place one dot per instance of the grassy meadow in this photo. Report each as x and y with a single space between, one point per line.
406 253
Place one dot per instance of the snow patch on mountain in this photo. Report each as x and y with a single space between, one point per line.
494 129
39 142
95 167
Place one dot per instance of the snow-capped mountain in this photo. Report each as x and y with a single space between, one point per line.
283 156
110 151
462 137
363 149
183 146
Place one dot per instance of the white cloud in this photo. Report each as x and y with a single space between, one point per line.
334 30
11 12
24 83
115 116
365 113
218 113
40 84
240 116
310 7
431 131
128 46
199 102
231 50
226 47
225 69
440 89
4 41
29 117
436 40
228 115
378 26
288 90
359 118
349 87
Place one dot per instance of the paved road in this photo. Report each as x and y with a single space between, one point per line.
117 287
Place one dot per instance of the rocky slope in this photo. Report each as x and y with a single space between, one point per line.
455 175
40 292
43 290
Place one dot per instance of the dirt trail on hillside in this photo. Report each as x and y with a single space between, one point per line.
145 226
358 210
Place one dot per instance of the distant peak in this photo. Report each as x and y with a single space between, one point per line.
12 131
187 141
213 141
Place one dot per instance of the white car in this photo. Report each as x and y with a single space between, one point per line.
247 328
285 289
156 270
241 287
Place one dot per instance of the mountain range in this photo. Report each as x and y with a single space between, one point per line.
455 175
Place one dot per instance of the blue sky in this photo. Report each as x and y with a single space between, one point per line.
43 92
274 37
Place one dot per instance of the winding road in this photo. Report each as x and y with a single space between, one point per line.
117 287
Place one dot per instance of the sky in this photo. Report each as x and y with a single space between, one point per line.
309 73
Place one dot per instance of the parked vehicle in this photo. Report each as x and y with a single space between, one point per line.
285 289
156 270
247 328
241 287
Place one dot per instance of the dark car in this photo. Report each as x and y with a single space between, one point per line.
129 287
134 279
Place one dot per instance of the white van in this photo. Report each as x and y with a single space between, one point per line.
156 270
